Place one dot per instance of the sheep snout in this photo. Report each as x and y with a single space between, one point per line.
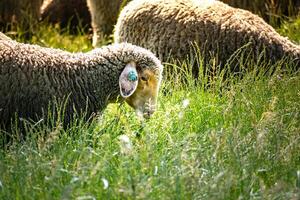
144 99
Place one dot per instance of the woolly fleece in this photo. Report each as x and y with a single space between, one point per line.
32 77
169 27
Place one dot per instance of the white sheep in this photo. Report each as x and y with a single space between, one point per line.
33 77
170 27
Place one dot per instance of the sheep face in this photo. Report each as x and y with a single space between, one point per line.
140 92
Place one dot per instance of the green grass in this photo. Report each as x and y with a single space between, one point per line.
291 29
237 139
52 36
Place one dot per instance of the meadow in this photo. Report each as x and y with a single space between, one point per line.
239 138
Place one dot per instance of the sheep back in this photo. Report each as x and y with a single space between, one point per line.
35 79
31 77
170 27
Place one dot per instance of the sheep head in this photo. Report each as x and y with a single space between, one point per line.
139 87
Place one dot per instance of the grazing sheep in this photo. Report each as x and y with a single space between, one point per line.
104 15
4 37
71 13
169 27
32 77
12 11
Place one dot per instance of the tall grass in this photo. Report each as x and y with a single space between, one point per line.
291 29
53 36
236 139
273 11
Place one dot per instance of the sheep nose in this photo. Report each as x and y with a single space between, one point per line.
148 113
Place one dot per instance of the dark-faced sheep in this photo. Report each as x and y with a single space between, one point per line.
16 11
170 27
71 13
32 77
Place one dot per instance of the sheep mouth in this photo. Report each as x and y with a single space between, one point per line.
144 113
147 114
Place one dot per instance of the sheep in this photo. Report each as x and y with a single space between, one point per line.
33 77
12 11
4 37
170 27
104 15
72 13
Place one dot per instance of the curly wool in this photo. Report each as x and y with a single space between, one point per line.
104 15
169 27
32 77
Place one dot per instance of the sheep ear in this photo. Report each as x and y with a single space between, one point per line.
128 80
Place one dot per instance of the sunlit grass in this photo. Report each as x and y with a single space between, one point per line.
291 29
53 36
236 139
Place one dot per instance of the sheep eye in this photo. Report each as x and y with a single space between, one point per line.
144 78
